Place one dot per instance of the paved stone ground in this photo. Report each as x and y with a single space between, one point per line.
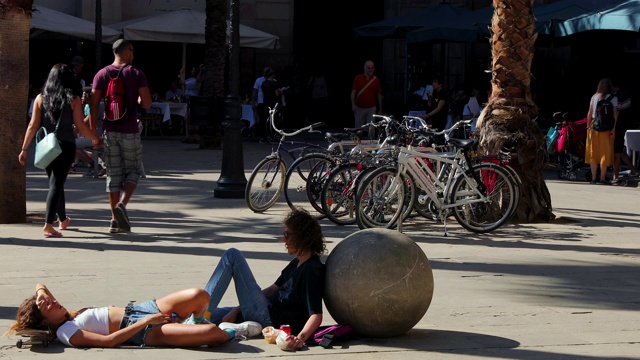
568 289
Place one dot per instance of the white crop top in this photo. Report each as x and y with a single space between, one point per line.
95 320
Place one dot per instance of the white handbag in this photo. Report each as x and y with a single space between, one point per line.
47 147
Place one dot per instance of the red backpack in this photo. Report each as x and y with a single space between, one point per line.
115 107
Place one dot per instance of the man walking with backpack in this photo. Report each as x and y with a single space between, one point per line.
124 89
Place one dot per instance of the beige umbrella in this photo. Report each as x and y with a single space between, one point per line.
48 20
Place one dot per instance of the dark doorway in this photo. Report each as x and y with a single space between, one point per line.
324 41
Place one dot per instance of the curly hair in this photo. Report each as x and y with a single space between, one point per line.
59 91
28 317
305 233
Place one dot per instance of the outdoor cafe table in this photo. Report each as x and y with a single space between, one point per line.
171 108
248 114
632 142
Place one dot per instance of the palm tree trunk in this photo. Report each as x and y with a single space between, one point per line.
215 52
15 20
507 122
215 47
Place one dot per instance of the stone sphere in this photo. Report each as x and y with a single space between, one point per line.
379 282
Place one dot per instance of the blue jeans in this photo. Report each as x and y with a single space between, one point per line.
135 314
254 305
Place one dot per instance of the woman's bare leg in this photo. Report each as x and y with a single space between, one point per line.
185 302
603 173
186 335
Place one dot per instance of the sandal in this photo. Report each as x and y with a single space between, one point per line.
63 225
54 234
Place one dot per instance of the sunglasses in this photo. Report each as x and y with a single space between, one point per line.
285 234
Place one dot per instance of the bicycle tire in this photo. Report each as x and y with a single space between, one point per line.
380 203
265 184
315 183
483 217
517 181
302 191
338 194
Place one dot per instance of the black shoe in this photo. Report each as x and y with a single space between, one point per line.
121 215
113 227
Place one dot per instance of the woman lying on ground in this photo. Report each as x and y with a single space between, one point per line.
149 323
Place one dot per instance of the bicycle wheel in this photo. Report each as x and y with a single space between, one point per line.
265 184
382 197
517 182
338 194
315 183
302 191
484 215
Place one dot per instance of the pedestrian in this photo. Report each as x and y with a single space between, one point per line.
294 299
622 125
60 102
194 82
366 95
192 86
272 95
150 323
259 107
77 64
599 146
123 148
438 106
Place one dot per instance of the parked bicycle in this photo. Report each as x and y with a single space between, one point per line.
306 176
266 182
481 196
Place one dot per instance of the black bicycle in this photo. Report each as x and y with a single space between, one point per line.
267 179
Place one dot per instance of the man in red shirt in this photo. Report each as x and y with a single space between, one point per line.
366 94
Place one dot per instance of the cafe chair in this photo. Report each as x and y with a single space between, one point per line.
151 117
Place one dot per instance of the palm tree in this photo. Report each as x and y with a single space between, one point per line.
507 122
15 21
215 47
213 84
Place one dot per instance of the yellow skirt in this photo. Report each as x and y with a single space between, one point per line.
599 148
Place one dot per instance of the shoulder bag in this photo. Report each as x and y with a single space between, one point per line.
47 146
364 88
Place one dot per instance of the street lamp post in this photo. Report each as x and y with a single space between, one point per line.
232 182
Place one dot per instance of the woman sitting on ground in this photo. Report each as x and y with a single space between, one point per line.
149 323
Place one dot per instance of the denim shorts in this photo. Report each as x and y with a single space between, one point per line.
134 313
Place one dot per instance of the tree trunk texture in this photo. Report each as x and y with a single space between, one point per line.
508 121
98 42
215 39
215 47
15 20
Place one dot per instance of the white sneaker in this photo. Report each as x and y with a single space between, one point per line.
247 329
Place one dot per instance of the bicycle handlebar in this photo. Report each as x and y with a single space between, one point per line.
444 132
309 128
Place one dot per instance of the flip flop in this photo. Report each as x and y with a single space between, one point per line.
60 227
53 235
